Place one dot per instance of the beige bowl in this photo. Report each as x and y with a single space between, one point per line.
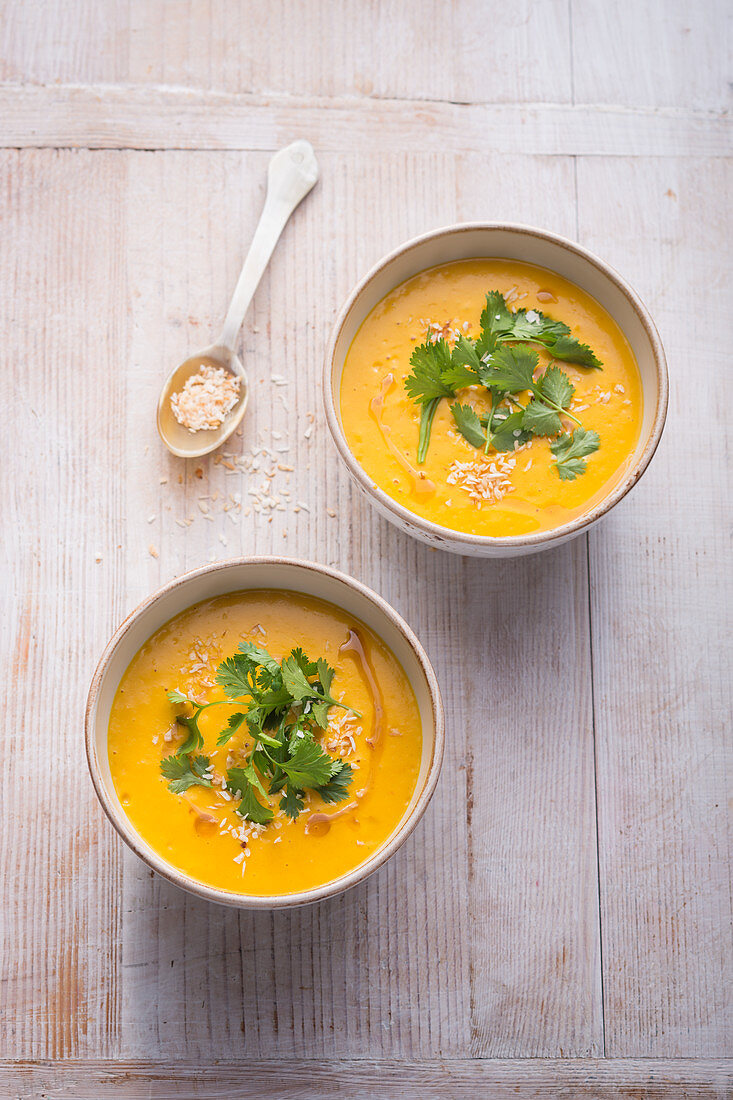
233 576
535 246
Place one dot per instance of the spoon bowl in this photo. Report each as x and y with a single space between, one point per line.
180 440
291 174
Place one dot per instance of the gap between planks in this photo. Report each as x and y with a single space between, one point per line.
108 116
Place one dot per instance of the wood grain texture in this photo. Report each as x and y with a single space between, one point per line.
530 51
60 924
367 1079
523 772
662 53
662 634
567 895
281 46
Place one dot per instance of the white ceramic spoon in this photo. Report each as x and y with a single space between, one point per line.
291 174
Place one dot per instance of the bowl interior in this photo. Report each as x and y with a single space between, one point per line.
235 576
518 243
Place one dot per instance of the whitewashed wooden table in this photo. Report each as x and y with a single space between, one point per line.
560 924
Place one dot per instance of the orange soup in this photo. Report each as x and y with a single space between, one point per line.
535 485
370 740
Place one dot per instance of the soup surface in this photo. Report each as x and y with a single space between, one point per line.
200 831
454 485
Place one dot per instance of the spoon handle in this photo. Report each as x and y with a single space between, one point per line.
292 173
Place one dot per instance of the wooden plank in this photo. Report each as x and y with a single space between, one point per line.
661 632
535 962
661 53
351 48
367 1079
599 54
60 373
111 117
536 985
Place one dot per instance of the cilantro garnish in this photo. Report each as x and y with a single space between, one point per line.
282 706
185 771
570 450
501 363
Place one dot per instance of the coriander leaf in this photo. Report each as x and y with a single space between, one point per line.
254 724
325 674
185 771
557 387
309 668
320 713
426 423
530 324
195 739
234 675
572 468
259 656
278 782
468 424
176 696
251 807
337 788
238 778
464 366
429 361
541 419
309 765
458 378
569 450
235 722
509 431
511 370
577 445
570 350
295 680
291 802
263 761
496 320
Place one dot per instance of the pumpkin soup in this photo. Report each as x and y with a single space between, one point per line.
492 397
265 742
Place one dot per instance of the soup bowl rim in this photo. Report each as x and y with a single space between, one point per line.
449 537
145 851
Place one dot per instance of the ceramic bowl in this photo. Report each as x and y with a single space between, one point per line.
250 573
535 246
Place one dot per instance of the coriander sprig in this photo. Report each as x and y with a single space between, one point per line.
185 771
501 363
282 705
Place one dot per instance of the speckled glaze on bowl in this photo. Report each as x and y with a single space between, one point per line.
517 242
239 575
